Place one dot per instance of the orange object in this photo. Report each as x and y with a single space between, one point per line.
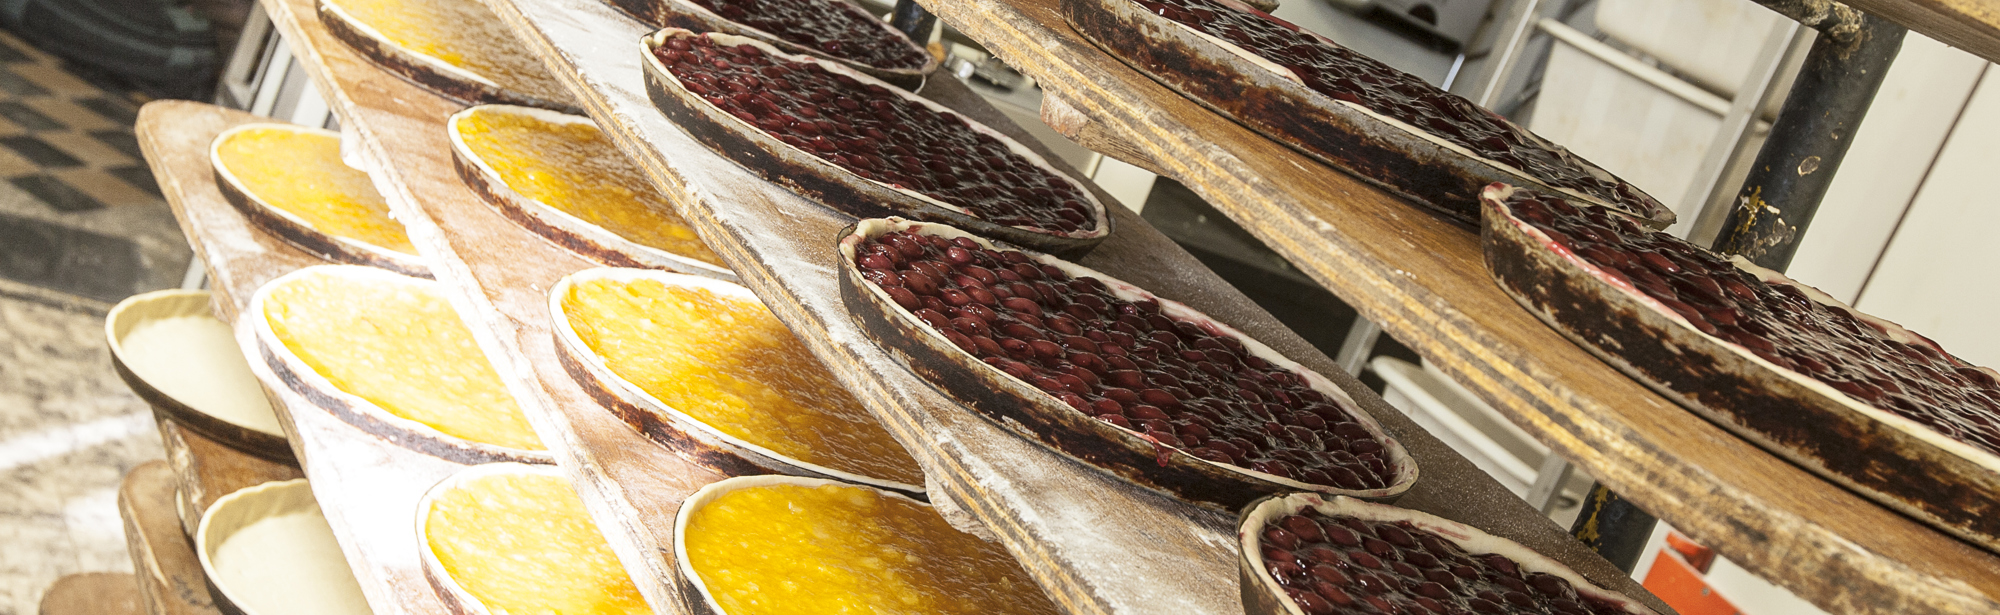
1677 584
1697 556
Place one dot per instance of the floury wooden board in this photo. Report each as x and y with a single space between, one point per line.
497 275
1096 545
1424 281
366 486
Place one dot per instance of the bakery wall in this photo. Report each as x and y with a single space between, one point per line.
1906 231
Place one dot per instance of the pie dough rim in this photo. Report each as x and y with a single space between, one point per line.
295 230
427 71
686 578
559 227
693 17
1045 419
455 597
1387 153
1909 468
743 457
837 188
1268 598
365 415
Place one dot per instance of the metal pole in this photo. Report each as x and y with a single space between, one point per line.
1807 143
1513 38
1613 527
1707 199
1547 490
913 20
1832 19
1359 344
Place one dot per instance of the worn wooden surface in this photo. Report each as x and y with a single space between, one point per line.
1095 544
206 470
367 487
169 577
1424 282
94 593
497 275
1971 25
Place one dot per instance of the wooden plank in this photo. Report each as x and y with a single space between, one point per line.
367 487
1095 544
94 593
169 576
1423 280
1971 25
497 275
206 470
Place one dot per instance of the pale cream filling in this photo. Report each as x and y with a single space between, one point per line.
195 359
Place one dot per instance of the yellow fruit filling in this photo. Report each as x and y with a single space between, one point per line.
575 169
789 549
522 544
301 173
462 33
402 347
729 363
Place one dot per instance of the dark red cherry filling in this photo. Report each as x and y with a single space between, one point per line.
1342 74
1348 565
1778 322
824 27
877 134
1181 383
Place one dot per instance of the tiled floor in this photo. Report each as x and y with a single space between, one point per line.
81 227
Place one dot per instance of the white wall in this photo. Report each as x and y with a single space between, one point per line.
1898 141
1938 276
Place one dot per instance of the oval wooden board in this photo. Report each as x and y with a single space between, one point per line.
1095 544
1424 282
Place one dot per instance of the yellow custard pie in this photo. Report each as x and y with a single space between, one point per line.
298 171
464 34
516 539
709 350
770 545
395 342
564 162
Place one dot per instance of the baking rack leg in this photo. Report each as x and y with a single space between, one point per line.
913 20
1814 129
1613 527
1549 479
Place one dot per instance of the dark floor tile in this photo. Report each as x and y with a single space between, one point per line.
115 110
29 250
138 176
18 85
9 54
68 260
39 152
27 117
101 267
120 139
56 194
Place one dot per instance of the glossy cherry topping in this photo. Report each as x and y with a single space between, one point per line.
1349 565
1179 383
1779 322
1342 74
824 27
877 134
